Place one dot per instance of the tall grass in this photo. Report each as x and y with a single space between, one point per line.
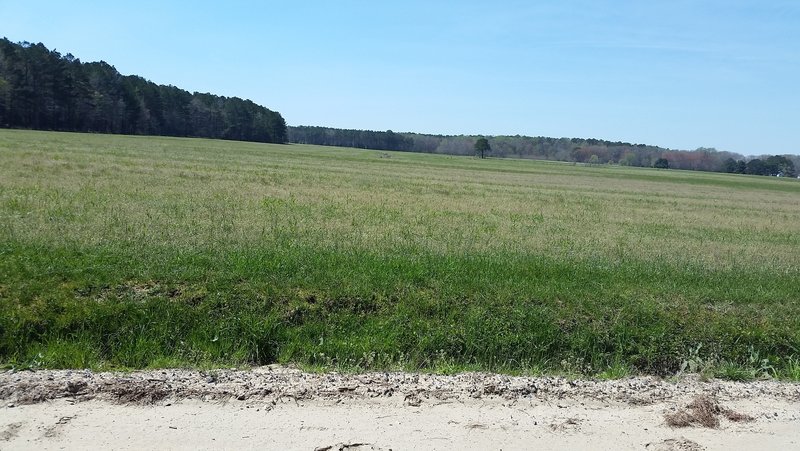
133 252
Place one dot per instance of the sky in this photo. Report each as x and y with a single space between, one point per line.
681 74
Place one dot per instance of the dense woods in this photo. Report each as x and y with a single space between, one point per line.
42 89
590 151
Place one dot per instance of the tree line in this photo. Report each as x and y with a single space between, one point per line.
362 139
776 165
579 150
45 90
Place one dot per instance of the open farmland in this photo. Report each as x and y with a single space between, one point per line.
130 252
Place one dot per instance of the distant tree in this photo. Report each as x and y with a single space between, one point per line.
482 146
729 166
661 163
594 159
755 167
779 165
741 167
628 160
392 141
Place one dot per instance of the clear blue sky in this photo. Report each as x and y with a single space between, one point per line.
680 73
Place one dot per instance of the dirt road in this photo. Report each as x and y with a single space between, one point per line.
281 408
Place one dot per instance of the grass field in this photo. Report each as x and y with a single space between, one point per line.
128 252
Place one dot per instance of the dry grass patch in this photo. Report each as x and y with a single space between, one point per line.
704 411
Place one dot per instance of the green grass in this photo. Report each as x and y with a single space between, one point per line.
130 252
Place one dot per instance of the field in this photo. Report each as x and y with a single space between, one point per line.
133 252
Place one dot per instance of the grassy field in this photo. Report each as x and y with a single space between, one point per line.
128 252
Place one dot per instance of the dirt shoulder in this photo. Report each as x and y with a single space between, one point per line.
278 407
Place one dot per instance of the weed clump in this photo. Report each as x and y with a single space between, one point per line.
704 411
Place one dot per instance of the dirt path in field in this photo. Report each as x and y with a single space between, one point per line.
282 408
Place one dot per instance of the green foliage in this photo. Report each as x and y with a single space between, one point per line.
617 369
51 91
735 372
781 166
661 163
755 167
362 139
741 167
729 166
791 370
774 165
732 166
482 146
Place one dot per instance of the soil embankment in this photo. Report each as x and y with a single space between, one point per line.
283 408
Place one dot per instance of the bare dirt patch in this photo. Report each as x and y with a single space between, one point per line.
10 431
673 444
284 408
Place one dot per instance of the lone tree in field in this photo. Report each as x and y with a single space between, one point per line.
482 146
661 163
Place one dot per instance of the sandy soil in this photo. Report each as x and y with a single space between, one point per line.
282 408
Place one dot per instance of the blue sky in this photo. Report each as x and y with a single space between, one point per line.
680 74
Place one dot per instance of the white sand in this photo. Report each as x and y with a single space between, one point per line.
286 409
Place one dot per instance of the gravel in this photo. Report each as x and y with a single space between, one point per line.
274 383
